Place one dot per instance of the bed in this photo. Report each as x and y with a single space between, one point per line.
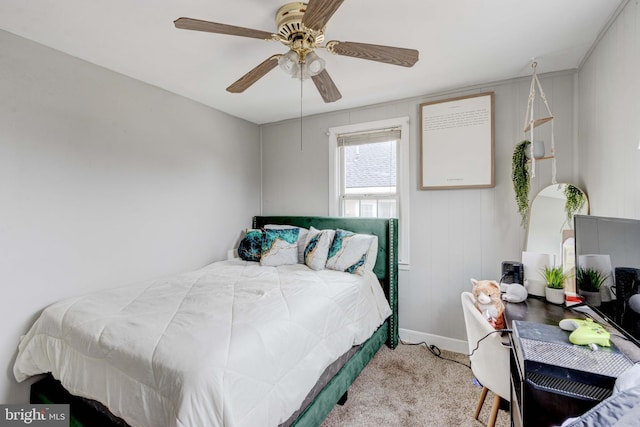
324 385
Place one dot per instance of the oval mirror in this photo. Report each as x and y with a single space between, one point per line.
548 218
550 234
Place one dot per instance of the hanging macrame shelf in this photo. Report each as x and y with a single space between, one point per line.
531 123
542 158
537 122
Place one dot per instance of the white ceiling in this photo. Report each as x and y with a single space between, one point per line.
461 43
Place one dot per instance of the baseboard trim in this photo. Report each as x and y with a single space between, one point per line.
444 343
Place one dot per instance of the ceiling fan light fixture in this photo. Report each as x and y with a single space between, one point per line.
310 66
289 63
302 73
314 63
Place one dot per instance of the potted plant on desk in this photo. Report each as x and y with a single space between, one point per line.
555 278
589 281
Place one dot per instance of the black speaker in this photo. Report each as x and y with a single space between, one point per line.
512 272
627 283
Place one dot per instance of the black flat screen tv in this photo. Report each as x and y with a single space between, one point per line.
619 239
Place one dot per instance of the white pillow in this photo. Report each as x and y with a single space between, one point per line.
316 247
279 247
349 252
302 237
372 255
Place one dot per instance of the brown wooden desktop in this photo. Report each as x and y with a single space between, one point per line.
534 407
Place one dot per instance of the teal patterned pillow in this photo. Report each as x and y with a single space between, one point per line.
349 252
250 246
280 247
302 237
316 247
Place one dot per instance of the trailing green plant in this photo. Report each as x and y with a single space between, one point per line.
520 178
575 200
589 279
554 276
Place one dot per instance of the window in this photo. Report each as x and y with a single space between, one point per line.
368 169
370 173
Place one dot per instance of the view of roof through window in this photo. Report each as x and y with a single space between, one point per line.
370 168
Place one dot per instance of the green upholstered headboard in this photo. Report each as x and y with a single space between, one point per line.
386 268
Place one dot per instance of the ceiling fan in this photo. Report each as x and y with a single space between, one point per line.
300 27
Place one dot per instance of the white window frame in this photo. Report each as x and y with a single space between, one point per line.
402 174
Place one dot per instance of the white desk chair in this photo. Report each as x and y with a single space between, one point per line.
490 361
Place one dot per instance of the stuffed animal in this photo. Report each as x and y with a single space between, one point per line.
486 294
513 292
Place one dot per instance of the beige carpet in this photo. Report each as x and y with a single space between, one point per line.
409 386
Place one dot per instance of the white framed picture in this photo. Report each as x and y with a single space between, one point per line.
457 143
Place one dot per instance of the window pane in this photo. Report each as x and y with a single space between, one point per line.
351 208
375 208
369 208
387 209
370 168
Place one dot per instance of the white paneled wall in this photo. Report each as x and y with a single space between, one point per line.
455 234
609 119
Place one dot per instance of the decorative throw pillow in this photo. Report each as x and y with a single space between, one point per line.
250 246
349 251
280 247
316 247
372 255
302 237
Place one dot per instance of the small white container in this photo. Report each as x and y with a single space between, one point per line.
538 150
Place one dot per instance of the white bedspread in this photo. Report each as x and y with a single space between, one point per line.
231 344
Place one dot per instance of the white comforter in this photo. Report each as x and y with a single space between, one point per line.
231 344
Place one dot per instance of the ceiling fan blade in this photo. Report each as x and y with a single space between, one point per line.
254 75
374 52
214 27
326 87
319 12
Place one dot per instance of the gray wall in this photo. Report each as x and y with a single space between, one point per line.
105 181
455 234
609 124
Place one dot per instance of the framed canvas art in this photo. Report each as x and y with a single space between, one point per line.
457 143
